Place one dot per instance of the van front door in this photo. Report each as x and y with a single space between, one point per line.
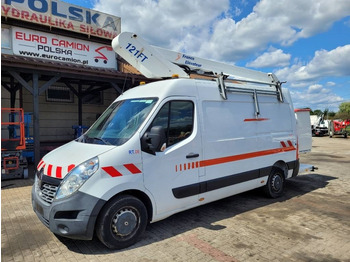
171 174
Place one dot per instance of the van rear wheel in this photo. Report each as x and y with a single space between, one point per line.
275 184
121 222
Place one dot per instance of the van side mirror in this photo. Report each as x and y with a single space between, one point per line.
152 141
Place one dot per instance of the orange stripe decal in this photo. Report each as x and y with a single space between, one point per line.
132 168
223 160
227 159
255 119
70 167
49 170
111 171
41 163
59 172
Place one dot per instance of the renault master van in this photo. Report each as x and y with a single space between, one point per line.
165 147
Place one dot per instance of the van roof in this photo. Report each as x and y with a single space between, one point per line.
184 87
162 89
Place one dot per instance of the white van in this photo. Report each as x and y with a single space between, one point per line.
162 148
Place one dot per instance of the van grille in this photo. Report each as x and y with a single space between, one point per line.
46 187
48 192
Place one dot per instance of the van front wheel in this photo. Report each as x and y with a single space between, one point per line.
275 184
121 222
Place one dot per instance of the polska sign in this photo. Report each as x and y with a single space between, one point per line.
55 13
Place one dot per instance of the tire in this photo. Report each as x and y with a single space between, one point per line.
121 222
25 173
275 184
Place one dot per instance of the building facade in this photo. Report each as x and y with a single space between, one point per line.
58 65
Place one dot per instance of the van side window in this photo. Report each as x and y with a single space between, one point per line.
176 117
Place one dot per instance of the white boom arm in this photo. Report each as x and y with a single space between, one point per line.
144 57
217 68
155 62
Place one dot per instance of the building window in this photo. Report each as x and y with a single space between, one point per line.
59 94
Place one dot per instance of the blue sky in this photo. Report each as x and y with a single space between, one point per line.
306 43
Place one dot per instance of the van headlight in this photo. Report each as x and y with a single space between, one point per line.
76 178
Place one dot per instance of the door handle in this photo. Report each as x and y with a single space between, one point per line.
192 155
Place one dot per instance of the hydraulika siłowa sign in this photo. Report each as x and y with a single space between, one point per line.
55 13
41 45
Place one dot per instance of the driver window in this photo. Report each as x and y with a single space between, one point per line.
176 117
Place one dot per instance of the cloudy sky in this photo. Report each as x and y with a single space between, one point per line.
306 43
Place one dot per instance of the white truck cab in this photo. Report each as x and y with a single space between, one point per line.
165 147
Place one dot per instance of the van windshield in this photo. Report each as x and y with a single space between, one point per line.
119 122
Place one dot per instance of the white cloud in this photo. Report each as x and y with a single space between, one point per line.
316 97
324 64
205 28
172 24
301 78
281 22
315 89
237 11
306 18
271 58
330 83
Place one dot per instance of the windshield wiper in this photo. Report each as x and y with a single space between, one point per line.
81 138
101 139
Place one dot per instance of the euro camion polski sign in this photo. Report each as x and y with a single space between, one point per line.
36 44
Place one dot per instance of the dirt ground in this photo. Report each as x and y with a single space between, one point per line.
311 222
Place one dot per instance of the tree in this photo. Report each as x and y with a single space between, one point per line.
325 113
317 112
344 111
331 114
344 107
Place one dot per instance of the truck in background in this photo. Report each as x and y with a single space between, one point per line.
319 125
339 127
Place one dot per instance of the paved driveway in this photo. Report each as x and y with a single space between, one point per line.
310 223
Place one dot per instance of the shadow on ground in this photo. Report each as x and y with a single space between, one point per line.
207 215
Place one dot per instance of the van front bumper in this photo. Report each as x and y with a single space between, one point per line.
73 217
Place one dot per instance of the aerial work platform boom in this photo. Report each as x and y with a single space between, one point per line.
156 62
